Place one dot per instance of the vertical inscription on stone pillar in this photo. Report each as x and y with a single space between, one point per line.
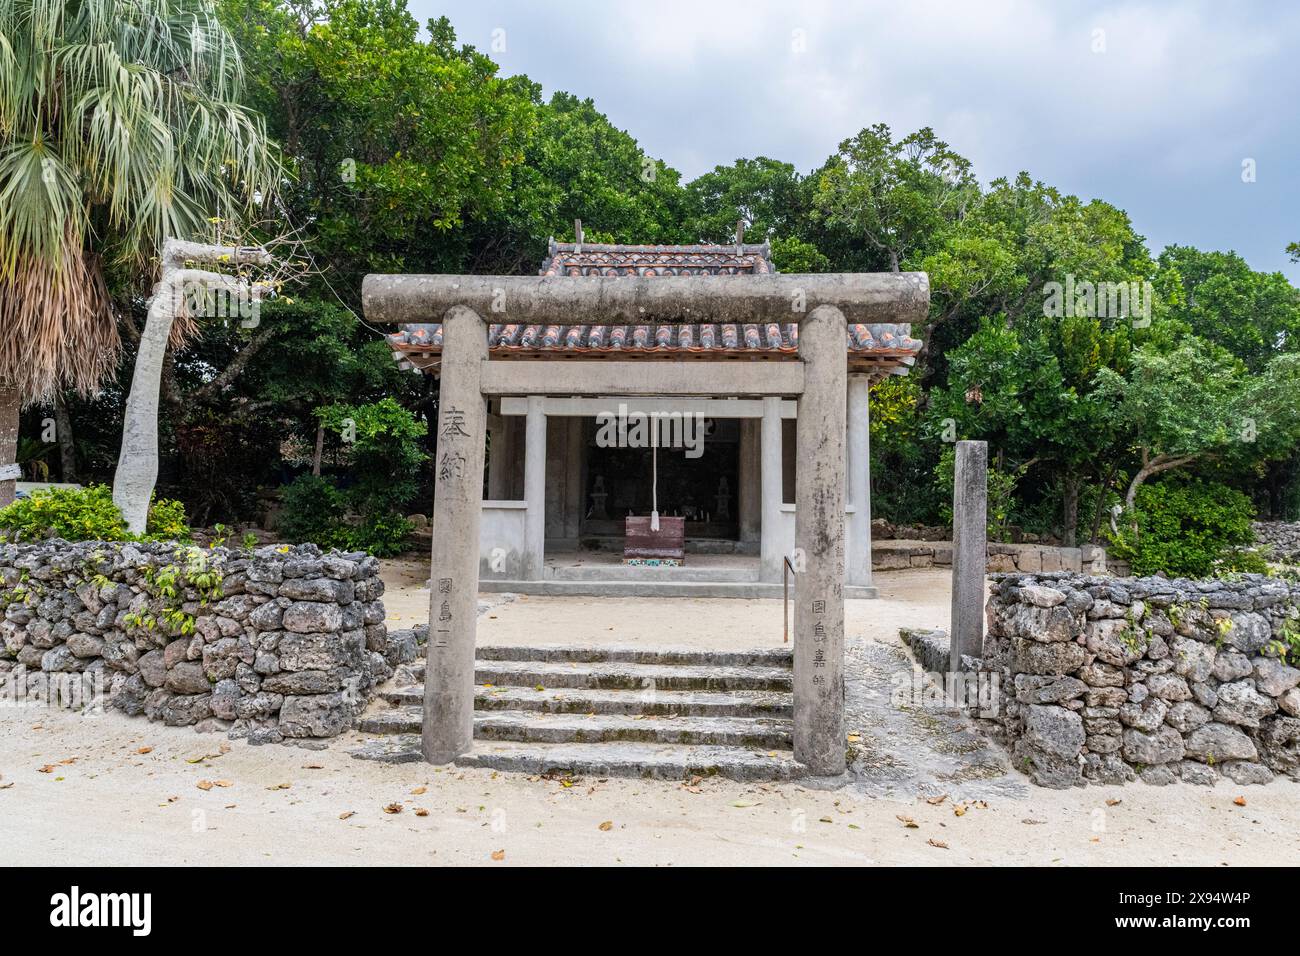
458 500
819 741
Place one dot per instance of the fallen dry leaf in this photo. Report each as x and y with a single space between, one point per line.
421 812
223 783
607 825
145 750
1240 801
48 768
204 785
907 821
1114 802
346 814
279 786
419 791
935 801
394 808
499 855
937 843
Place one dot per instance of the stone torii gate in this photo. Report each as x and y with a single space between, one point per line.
820 305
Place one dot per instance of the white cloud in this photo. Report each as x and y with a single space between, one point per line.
1157 123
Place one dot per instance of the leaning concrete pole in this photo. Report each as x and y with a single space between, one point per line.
448 728
969 550
10 402
819 534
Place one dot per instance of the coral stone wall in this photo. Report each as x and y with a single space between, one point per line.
279 643
1106 680
1281 538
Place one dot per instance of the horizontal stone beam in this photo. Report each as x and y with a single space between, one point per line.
866 297
643 378
638 405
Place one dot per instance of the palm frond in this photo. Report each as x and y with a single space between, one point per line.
124 114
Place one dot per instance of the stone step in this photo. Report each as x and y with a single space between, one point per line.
683 703
635 654
616 675
655 761
641 574
535 727
619 676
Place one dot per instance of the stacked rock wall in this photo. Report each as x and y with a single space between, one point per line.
1112 679
279 643
1281 538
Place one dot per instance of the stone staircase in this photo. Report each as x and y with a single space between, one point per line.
666 713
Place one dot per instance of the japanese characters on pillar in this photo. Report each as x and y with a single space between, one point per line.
819 638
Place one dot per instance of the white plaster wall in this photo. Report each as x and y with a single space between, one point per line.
502 527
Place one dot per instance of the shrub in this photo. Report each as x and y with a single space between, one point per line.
367 515
1186 527
383 535
87 514
313 510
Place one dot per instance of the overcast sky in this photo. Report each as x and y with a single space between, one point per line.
1151 106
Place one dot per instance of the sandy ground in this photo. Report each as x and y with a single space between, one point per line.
112 805
123 791
907 599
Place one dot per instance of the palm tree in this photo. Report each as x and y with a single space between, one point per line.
120 126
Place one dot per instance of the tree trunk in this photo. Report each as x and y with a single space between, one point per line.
1150 469
319 449
10 402
1095 536
67 447
137 465
1070 511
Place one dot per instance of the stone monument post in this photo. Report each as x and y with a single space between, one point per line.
969 550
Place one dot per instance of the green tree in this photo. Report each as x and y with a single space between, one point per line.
398 141
1197 403
765 194
1254 315
897 197
120 125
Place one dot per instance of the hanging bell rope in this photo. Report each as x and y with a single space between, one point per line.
654 472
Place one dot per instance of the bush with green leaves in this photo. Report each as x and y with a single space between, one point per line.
366 515
1185 527
313 510
87 514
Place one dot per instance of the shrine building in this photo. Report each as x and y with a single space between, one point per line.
579 456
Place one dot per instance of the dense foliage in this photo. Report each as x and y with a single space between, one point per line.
1185 527
86 514
1100 373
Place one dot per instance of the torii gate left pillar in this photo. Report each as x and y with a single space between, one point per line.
448 729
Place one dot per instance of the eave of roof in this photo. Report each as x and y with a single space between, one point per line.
879 347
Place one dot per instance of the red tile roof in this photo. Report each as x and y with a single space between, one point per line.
884 346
